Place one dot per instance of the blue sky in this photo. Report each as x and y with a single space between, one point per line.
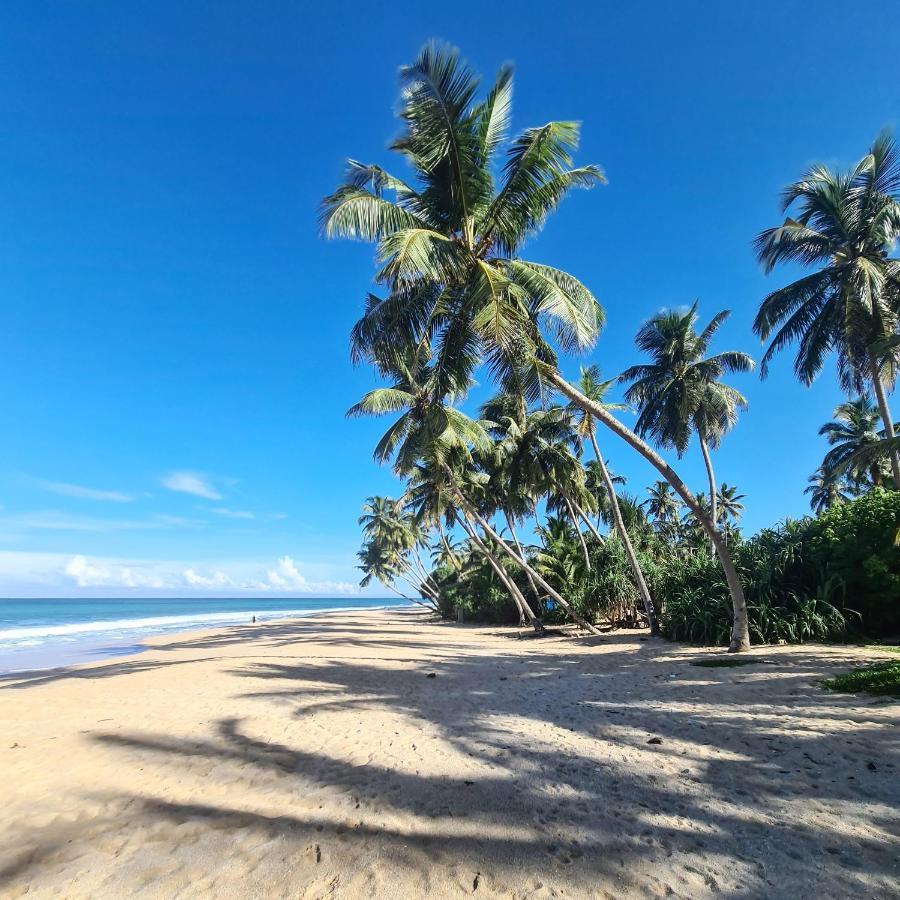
173 356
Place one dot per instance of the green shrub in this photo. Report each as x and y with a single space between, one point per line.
857 543
813 579
879 678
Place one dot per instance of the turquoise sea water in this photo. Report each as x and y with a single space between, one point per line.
44 633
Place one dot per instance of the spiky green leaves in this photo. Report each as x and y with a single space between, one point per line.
679 392
446 248
845 223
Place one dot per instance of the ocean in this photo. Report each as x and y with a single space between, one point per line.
38 634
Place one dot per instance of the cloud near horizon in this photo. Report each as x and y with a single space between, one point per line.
52 574
195 483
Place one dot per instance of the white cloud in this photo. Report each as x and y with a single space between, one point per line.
287 577
54 520
190 483
217 579
87 574
83 493
232 513
33 574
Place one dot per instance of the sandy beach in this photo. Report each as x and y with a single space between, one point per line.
382 754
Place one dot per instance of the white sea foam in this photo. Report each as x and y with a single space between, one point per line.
36 634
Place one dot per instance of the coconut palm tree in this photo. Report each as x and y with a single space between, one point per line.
389 549
448 244
448 250
825 491
593 387
662 504
854 429
846 225
679 393
729 504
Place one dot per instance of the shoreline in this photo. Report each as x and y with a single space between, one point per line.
131 635
378 753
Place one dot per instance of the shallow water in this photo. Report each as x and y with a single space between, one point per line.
54 632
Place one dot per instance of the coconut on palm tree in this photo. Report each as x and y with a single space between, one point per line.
845 225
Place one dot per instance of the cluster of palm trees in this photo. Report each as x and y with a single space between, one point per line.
455 295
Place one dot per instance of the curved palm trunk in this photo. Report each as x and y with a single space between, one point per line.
525 612
522 561
740 632
886 418
584 517
450 553
515 537
577 525
713 500
641 582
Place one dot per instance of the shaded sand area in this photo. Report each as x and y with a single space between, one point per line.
318 758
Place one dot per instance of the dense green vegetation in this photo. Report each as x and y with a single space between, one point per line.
515 515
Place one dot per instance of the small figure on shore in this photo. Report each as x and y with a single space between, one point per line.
254 620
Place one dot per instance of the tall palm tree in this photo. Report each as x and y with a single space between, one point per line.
593 387
448 246
854 429
846 225
679 393
389 549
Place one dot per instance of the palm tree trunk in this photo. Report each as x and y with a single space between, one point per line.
584 518
740 631
523 563
577 524
886 418
518 544
641 582
713 500
426 576
447 547
525 613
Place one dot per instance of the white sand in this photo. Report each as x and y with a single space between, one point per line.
316 759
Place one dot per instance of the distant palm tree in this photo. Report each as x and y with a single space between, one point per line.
854 429
679 393
662 504
594 388
846 225
729 502
825 491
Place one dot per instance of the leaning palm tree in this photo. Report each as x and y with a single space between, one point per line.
846 226
854 429
679 393
593 387
449 245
